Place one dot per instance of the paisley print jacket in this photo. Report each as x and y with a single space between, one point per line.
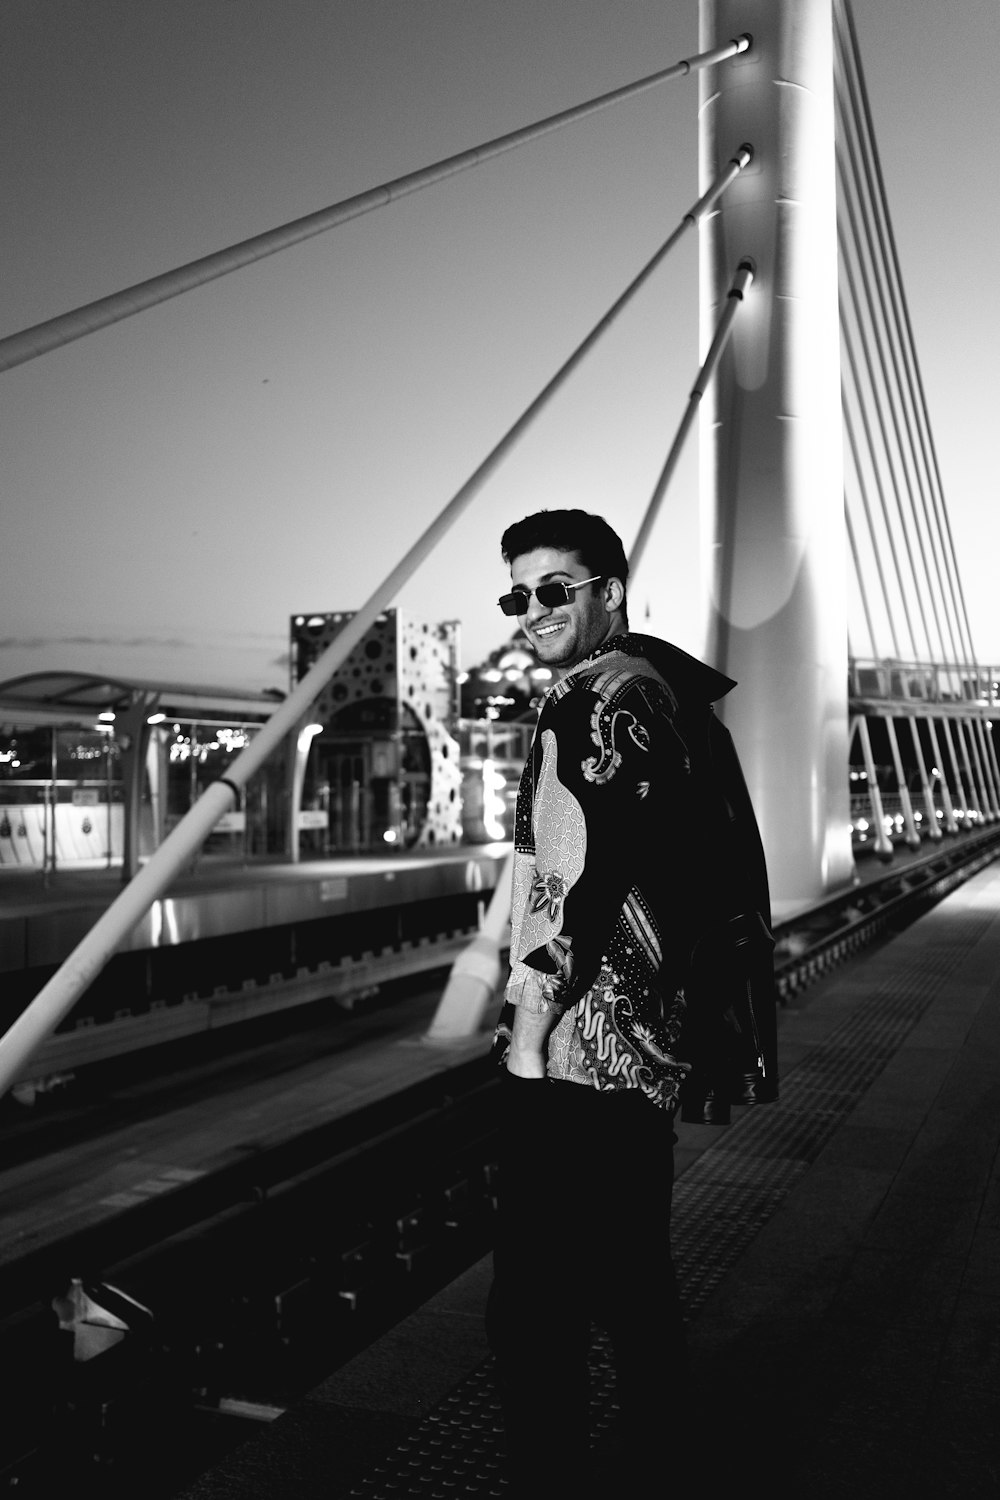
598 928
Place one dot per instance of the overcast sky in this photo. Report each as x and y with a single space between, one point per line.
174 487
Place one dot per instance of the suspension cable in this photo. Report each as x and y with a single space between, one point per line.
875 549
875 368
881 236
880 488
741 285
60 993
889 358
17 348
852 650
918 397
898 451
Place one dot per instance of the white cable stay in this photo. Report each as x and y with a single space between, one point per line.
875 551
886 239
887 386
741 284
894 383
17 348
888 475
58 996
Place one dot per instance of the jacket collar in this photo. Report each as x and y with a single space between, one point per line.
687 677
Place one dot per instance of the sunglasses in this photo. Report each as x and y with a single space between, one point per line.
546 593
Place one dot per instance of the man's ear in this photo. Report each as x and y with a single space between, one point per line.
614 592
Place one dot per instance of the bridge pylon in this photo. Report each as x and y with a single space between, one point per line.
772 506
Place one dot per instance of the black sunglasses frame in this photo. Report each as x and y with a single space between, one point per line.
556 592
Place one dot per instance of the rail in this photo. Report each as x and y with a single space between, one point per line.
411 1175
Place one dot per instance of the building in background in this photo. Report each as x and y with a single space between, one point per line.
376 766
401 750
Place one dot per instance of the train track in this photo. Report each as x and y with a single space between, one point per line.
887 899
252 1284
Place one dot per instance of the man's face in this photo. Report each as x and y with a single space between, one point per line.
563 634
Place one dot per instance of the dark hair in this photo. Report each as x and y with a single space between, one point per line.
598 545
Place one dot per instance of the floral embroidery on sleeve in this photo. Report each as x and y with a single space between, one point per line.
548 891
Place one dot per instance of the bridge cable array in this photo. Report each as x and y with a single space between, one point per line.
18 348
896 518
875 321
57 997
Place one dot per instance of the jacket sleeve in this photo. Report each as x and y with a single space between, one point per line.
611 769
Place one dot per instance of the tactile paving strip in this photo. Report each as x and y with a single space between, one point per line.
720 1204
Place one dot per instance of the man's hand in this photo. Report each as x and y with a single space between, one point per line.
529 1043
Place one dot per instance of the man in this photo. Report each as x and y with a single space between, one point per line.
609 900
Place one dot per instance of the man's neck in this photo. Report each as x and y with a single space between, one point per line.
619 629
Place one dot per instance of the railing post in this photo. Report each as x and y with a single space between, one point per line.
934 830
950 821
912 836
883 843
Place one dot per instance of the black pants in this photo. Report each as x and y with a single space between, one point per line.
583 1237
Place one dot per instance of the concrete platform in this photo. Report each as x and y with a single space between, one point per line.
838 1255
42 918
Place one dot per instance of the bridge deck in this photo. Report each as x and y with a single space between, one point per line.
837 1252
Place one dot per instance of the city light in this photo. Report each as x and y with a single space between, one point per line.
307 735
493 803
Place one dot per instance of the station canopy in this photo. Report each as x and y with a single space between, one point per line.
54 697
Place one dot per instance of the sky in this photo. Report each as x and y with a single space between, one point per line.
175 487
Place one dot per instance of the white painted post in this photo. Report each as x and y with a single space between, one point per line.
774 545
475 975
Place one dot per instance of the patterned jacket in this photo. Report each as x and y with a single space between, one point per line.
598 927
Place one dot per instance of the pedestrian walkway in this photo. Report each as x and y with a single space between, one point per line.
838 1255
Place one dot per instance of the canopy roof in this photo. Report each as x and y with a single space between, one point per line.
79 695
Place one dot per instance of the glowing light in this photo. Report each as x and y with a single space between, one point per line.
307 735
106 716
231 739
493 805
390 836
155 718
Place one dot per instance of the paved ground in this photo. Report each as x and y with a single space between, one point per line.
839 1256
